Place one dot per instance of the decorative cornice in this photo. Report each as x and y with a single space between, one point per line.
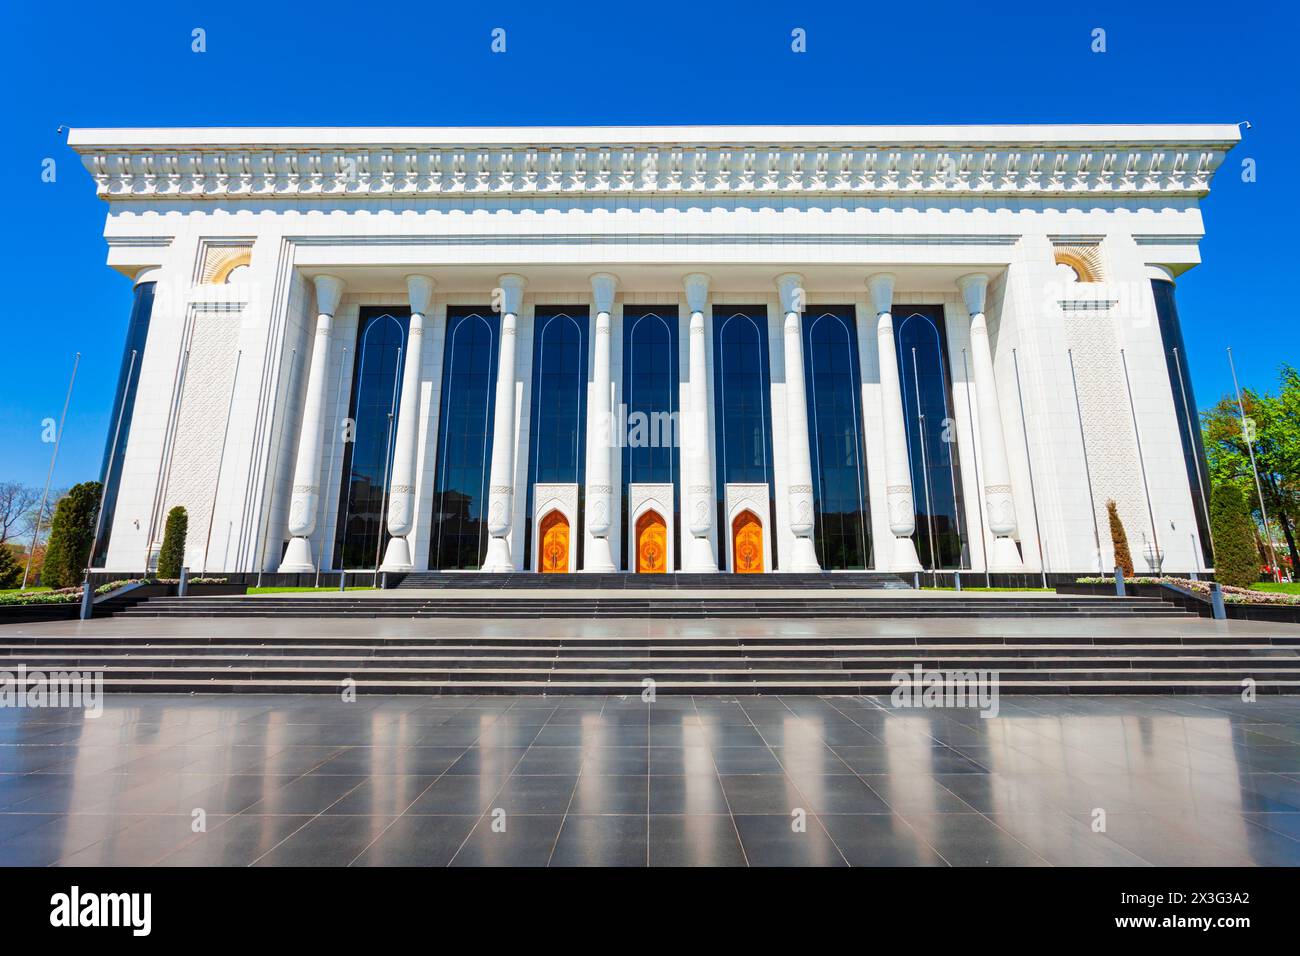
358 163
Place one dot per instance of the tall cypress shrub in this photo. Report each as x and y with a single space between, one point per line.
172 555
1236 560
71 534
1119 539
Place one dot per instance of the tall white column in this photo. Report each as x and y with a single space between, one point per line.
311 439
600 433
501 484
701 503
898 471
1000 506
401 493
803 556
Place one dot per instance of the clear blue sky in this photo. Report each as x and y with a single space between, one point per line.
330 63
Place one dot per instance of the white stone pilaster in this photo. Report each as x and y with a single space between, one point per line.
898 472
999 503
600 433
501 488
401 495
700 501
800 492
306 473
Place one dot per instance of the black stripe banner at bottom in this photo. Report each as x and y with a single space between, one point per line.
298 906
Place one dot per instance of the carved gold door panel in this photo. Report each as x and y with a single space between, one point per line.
747 544
553 556
651 544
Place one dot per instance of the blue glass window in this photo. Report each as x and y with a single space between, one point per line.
458 531
743 412
128 380
1189 429
362 531
651 434
832 381
558 439
925 376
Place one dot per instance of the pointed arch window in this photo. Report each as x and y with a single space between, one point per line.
926 380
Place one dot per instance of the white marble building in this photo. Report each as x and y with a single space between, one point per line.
868 347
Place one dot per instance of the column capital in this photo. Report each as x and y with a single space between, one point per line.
603 285
974 289
697 291
419 289
790 286
512 292
329 291
881 287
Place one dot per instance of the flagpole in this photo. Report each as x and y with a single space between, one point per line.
974 456
1137 438
221 458
1259 489
1087 469
1029 465
108 473
54 456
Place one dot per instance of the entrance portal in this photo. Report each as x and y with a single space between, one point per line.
553 549
651 544
747 544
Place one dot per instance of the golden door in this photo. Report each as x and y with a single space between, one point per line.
651 544
747 544
553 553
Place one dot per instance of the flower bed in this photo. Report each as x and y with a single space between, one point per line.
1231 595
70 595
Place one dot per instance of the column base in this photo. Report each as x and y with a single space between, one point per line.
904 557
699 557
803 557
297 558
1005 556
498 556
599 558
397 556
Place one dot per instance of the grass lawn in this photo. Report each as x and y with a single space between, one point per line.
292 590
20 590
1292 588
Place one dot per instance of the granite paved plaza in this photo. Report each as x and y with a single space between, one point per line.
413 780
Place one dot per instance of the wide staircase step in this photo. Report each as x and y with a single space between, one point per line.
840 580
1130 663
529 605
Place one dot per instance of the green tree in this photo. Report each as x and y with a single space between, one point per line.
1273 421
11 572
172 555
1119 539
1236 559
71 536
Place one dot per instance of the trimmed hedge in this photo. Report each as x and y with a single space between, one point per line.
1119 538
172 556
1236 561
71 536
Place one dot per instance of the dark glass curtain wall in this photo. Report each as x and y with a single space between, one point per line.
743 412
558 440
458 531
830 354
361 532
651 433
128 379
924 371
1189 426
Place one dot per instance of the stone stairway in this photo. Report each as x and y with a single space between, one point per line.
1129 654
528 605
586 581
1124 662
